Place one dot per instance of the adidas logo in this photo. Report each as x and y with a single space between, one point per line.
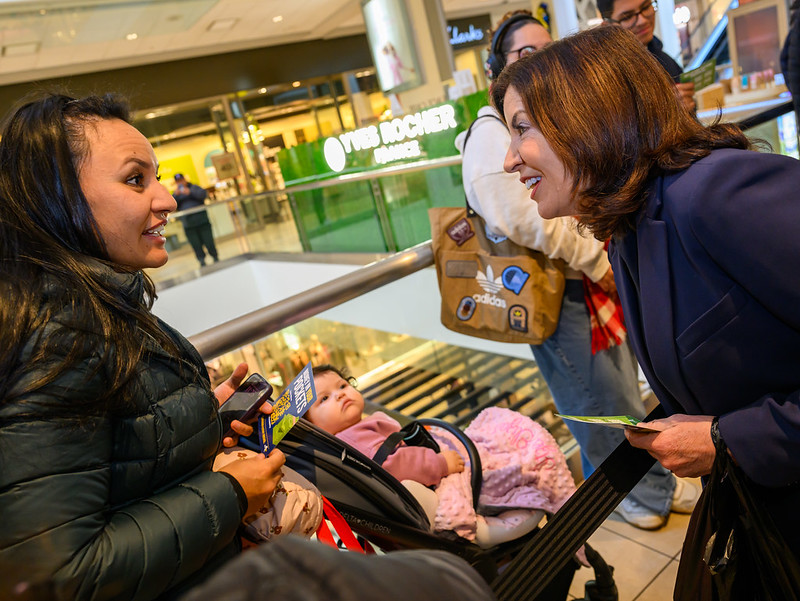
488 282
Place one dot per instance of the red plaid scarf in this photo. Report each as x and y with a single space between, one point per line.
607 321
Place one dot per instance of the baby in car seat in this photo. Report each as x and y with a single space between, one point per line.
523 467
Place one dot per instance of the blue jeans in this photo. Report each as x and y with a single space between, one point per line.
605 383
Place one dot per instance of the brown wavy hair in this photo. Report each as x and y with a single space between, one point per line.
612 115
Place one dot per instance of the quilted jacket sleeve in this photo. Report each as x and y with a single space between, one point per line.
111 507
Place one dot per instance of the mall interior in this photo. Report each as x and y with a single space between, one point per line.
320 164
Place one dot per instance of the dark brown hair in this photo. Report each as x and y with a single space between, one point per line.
50 251
342 372
612 115
505 45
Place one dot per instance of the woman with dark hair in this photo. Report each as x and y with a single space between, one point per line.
587 373
704 248
108 425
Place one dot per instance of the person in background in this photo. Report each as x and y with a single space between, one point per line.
640 19
108 424
583 379
196 225
790 59
704 247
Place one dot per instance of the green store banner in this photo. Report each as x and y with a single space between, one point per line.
429 133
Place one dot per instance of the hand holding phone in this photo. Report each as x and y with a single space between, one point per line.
245 403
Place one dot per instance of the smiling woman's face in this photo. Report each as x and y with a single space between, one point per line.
538 166
119 178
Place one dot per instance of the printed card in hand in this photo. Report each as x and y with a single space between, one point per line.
614 421
701 77
290 406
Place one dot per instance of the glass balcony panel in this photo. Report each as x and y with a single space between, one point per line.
409 196
341 218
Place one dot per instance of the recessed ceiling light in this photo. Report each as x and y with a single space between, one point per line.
262 91
132 36
221 24
277 19
295 84
21 49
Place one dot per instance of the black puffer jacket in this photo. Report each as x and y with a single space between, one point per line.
118 507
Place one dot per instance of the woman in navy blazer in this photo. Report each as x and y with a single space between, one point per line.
705 246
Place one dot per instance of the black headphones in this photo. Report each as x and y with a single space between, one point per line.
496 60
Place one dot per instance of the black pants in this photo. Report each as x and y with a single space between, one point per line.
200 236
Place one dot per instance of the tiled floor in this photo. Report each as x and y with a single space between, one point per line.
645 562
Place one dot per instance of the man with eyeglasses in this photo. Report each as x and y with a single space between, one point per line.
640 18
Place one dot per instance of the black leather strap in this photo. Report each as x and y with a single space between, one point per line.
470 211
388 447
413 434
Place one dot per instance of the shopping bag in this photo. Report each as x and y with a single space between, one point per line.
493 288
733 550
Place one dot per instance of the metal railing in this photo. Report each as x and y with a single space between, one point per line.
347 178
262 322
767 115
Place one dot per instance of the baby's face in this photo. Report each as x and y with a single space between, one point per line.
338 404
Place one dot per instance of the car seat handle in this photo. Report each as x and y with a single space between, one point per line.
476 479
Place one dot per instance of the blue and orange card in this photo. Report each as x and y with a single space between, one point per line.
290 406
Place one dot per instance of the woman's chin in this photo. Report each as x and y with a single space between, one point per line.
547 212
155 261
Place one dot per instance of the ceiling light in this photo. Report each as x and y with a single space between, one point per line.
131 36
262 91
222 24
277 19
295 84
21 49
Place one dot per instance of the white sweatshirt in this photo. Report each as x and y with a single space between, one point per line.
505 205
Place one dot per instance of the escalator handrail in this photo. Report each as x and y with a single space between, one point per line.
766 115
243 330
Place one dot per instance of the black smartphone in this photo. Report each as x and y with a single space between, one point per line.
244 404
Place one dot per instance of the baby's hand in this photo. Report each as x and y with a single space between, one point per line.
454 462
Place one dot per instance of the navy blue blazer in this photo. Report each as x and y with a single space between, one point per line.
710 285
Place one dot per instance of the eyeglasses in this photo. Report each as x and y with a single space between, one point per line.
520 52
628 19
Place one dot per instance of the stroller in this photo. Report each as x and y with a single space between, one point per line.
378 508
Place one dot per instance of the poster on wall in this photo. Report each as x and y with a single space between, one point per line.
391 42
225 165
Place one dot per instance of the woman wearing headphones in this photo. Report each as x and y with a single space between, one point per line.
586 374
